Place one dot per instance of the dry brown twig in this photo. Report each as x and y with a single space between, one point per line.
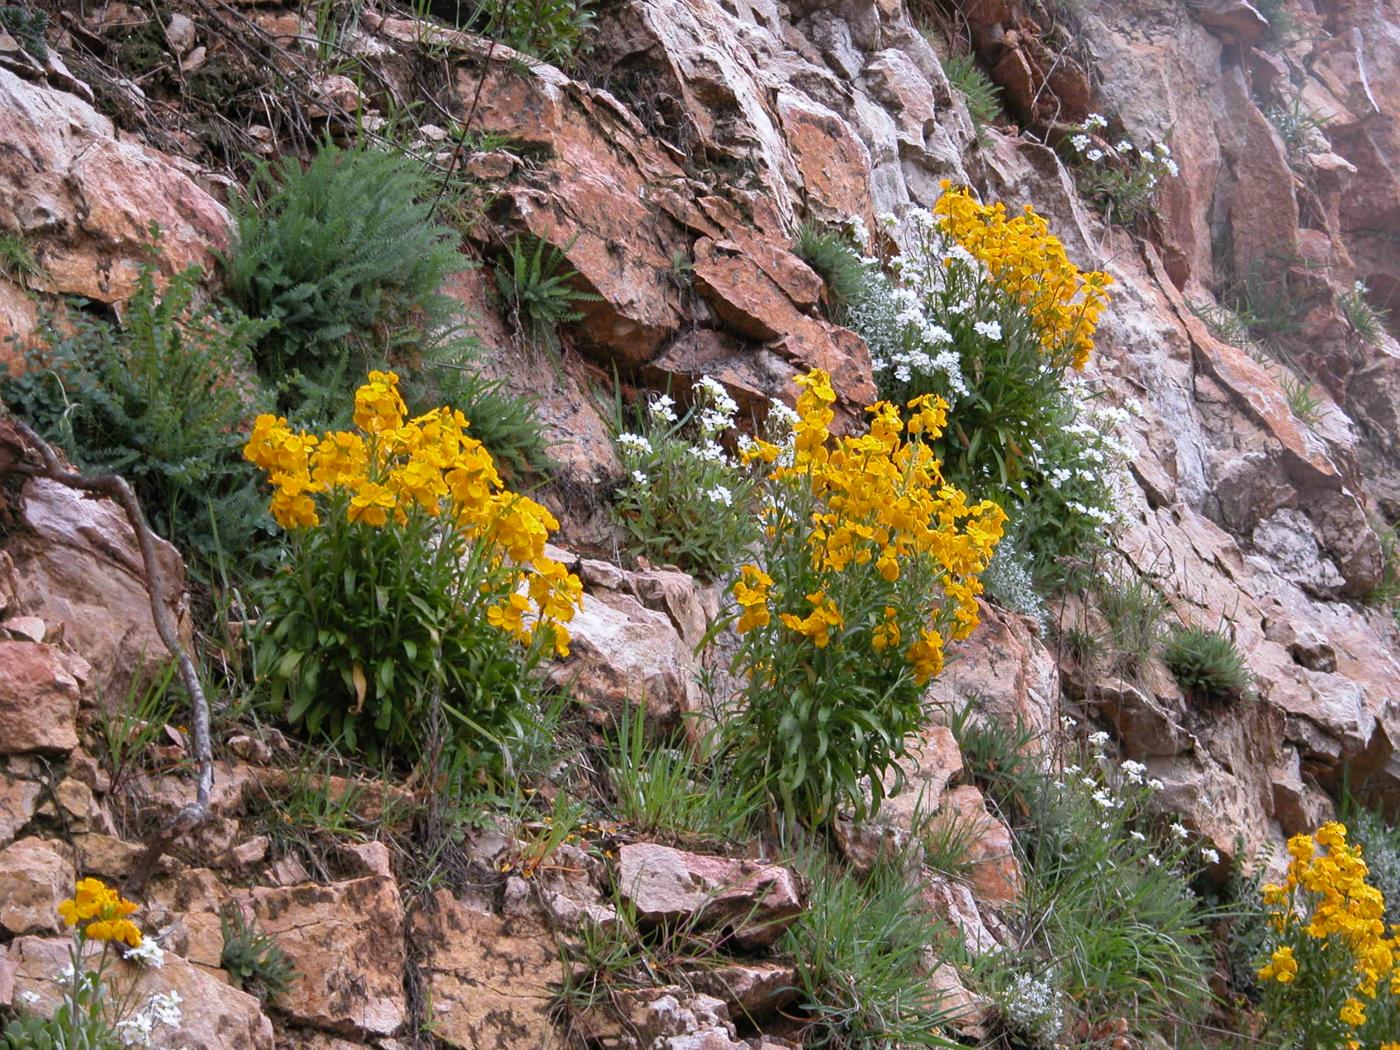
19 444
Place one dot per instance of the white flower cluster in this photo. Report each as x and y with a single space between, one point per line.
1034 1008
635 444
1150 163
160 1010
1090 470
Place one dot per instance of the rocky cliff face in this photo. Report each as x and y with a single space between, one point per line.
705 131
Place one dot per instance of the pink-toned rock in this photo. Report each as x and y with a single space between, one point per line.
748 989
832 160
18 800
753 900
932 761
86 198
951 902
993 871
1235 20
79 565
38 698
492 982
34 878
967 1012
213 1014
621 653
346 942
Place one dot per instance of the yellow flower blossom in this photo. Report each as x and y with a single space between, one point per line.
104 910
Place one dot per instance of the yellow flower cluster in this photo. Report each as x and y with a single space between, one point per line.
1326 896
104 910
878 499
391 466
1028 262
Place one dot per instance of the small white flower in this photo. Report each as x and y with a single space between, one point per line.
663 408
1179 831
1104 799
634 443
1098 741
1094 154
1155 785
1124 146
1133 771
987 329
1152 859
1072 770
1080 143
1089 782
149 953
1137 836
1171 167
1095 120
1359 287
720 494
639 477
30 998
1210 856
888 220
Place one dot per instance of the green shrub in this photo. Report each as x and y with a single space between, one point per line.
251 958
859 951
534 280
1206 664
345 261
160 400
983 97
683 500
845 614
416 595
830 255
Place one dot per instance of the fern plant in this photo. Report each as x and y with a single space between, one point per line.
346 263
534 280
830 255
161 400
983 98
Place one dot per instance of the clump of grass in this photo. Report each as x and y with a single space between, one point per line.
1206 664
251 958
1133 610
662 789
859 949
1303 400
1295 124
17 262
999 759
1365 319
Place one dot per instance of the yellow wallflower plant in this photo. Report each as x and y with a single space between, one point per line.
869 566
1332 978
415 579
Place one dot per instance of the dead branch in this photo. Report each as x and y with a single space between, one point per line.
195 813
